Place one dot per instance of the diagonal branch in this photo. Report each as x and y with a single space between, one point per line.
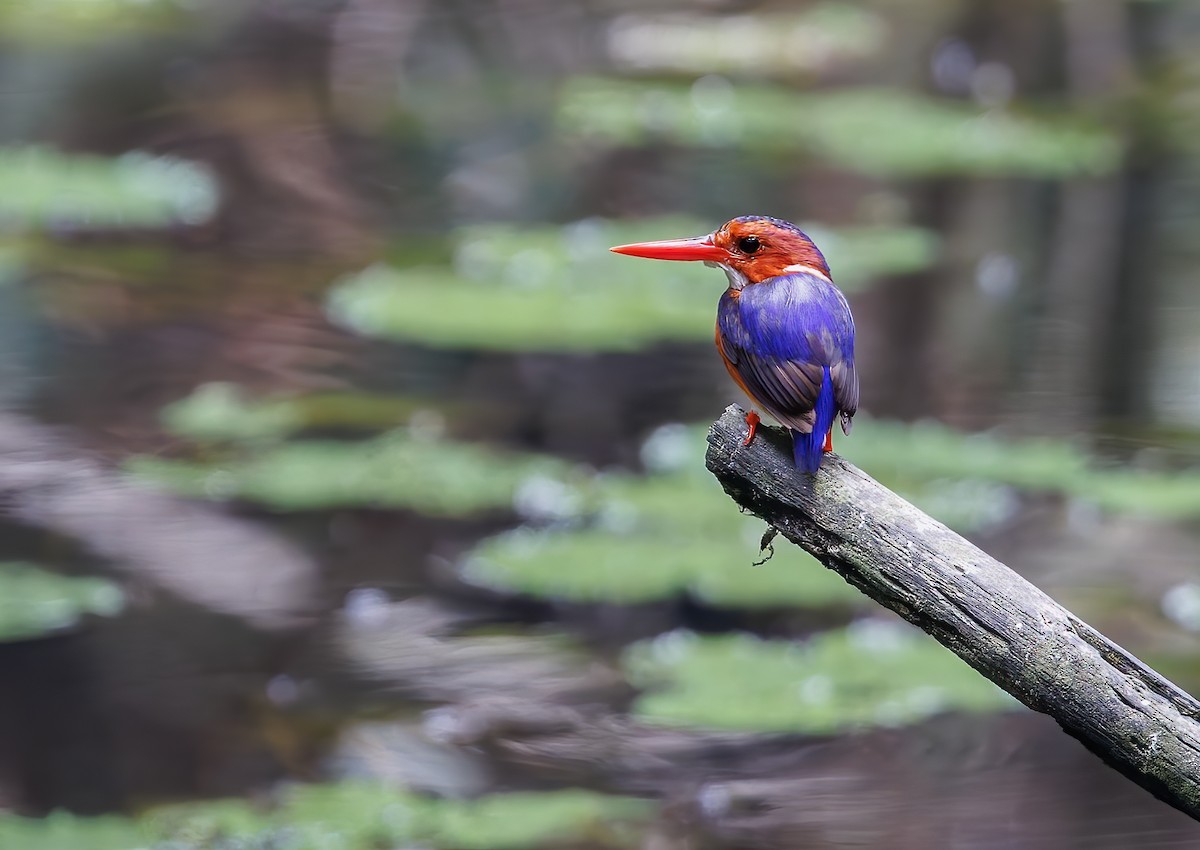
1137 721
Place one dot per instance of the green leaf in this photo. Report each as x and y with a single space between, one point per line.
872 673
763 42
34 601
64 831
879 132
72 22
397 470
219 412
655 538
43 188
347 816
923 459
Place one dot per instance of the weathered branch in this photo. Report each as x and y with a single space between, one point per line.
1137 721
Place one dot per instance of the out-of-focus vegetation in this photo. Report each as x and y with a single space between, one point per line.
883 132
346 816
396 470
654 537
918 454
810 39
872 673
559 288
45 188
223 412
450 178
68 22
637 554
34 601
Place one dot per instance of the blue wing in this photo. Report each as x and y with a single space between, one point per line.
780 336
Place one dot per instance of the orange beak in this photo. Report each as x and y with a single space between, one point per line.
696 248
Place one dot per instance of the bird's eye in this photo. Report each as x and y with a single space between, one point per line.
748 244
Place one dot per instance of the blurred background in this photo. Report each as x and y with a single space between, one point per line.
354 494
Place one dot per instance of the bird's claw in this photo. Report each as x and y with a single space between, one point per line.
752 420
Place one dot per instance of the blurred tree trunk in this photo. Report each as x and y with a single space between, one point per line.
1065 380
1152 358
946 334
257 113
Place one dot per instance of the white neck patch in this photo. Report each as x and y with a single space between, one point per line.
737 280
801 268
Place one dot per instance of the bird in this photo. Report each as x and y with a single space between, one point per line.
784 330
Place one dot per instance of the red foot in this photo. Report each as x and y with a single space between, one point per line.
828 447
752 420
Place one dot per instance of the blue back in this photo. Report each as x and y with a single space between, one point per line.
790 340
796 317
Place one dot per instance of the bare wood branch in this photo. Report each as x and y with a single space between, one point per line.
1136 720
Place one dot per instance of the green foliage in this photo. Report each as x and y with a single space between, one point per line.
221 411
397 470
34 601
63 831
1168 495
869 674
911 457
346 816
882 132
699 43
437 308
225 412
654 538
899 451
67 22
43 187
560 289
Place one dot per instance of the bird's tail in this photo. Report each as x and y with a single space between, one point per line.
807 449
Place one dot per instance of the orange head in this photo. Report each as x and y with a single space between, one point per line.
750 249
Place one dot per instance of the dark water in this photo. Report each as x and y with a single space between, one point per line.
259 645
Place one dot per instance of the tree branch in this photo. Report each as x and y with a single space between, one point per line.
1137 721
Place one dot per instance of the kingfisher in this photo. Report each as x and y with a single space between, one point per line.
784 331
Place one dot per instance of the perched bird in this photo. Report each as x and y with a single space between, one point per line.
783 329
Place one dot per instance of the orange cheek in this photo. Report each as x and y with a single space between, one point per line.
763 268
